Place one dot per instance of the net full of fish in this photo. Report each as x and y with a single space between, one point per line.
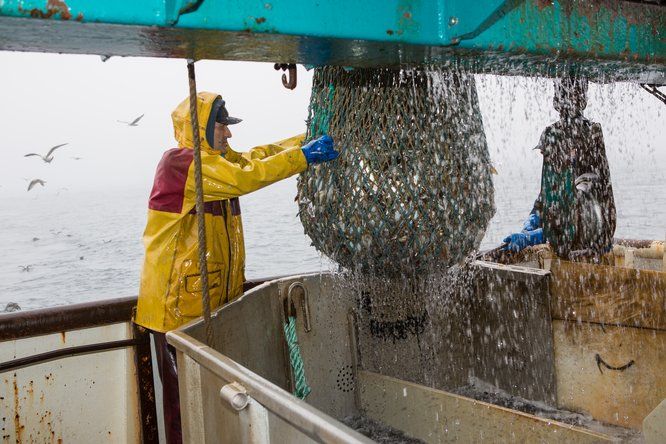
412 188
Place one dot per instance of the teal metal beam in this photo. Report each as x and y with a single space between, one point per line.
607 40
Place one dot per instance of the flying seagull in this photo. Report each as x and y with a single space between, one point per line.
25 267
34 182
134 122
49 156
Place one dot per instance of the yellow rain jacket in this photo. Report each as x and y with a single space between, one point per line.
170 293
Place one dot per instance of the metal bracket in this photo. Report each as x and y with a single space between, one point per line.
235 395
502 10
175 8
652 89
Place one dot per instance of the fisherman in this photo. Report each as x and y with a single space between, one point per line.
170 292
575 210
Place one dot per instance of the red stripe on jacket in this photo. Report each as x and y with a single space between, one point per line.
169 186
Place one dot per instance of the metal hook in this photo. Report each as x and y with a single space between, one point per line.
289 83
290 308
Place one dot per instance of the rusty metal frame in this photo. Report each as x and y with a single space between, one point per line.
602 40
25 324
52 320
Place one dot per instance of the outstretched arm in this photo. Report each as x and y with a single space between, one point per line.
263 151
261 166
226 178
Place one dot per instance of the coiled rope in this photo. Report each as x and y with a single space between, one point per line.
199 204
301 387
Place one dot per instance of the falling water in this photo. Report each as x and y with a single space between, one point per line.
498 334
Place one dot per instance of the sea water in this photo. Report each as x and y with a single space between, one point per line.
84 246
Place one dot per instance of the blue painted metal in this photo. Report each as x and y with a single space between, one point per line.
356 33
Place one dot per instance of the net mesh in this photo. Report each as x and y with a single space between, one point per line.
412 187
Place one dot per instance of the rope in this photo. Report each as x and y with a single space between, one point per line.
301 387
199 204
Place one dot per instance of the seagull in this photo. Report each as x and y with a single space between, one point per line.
25 267
105 57
12 306
34 182
134 122
49 156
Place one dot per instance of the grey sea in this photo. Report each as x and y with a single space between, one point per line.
83 245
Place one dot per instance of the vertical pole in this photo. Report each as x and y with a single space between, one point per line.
199 203
144 370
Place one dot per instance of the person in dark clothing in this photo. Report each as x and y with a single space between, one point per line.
575 209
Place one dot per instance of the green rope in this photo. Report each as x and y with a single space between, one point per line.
302 389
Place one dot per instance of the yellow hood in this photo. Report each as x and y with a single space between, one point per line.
182 124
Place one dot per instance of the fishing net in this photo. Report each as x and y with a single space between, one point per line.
412 186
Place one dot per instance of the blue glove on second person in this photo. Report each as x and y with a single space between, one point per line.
532 222
517 241
320 150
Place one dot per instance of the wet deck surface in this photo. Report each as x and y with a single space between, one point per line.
378 431
482 391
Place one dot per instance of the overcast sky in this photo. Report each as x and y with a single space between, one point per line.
49 99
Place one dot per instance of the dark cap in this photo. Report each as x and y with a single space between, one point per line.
223 116
218 113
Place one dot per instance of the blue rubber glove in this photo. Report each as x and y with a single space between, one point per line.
320 150
532 222
518 241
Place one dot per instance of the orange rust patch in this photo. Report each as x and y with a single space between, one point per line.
61 7
542 4
53 7
63 336
17 417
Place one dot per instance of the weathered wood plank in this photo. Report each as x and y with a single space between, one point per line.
436 416
608 295
585 383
